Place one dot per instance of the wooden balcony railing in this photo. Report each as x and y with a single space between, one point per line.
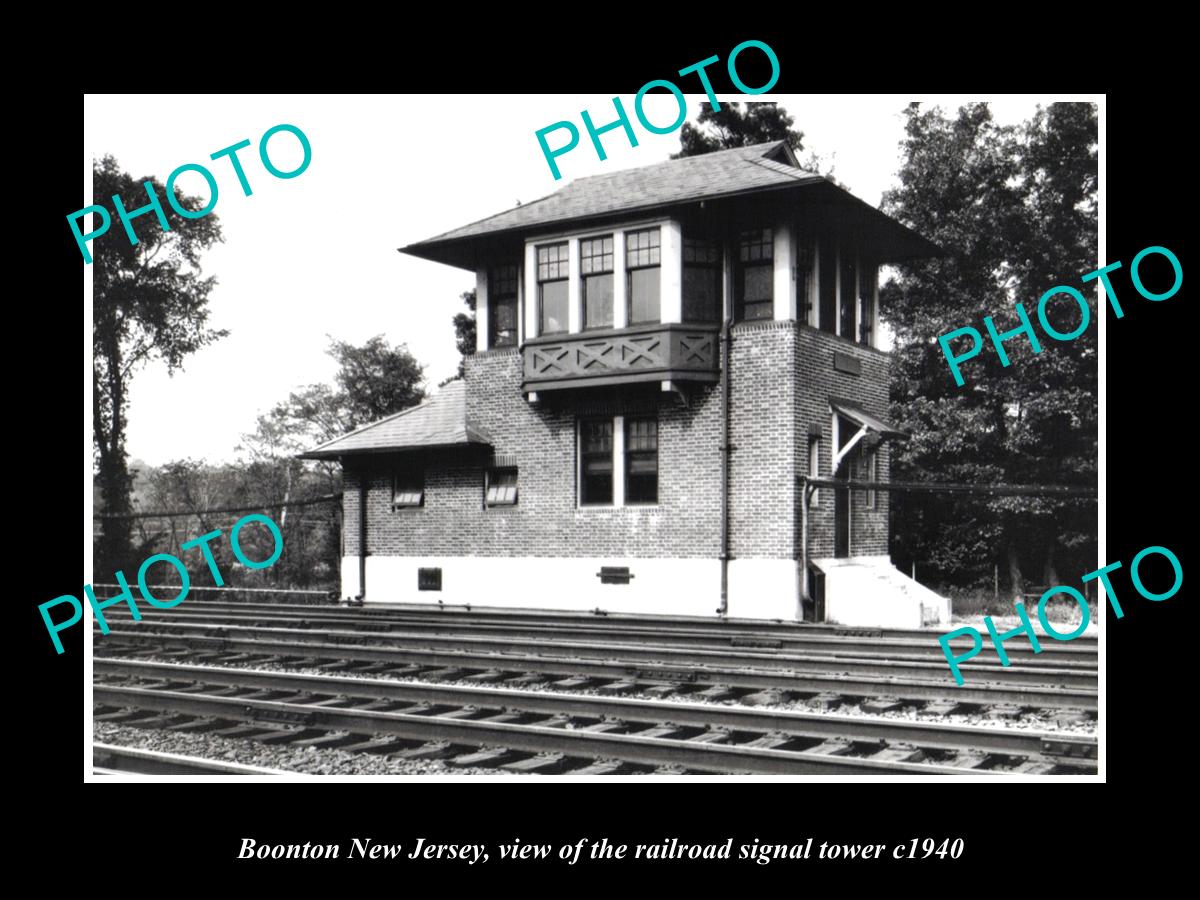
667 352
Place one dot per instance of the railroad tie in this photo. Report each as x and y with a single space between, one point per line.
825 700
881 704
489 757
717 693
572 684
831 747
900 753
616 687
940 707
661 690
378 745
769 697
427 750
601 767
543 764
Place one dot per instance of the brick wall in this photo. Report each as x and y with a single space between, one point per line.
818 382
546 520
762 504
782 377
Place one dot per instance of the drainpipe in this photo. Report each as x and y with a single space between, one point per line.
362 536
726 449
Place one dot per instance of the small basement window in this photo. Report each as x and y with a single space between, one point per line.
429 579
408 488
501 487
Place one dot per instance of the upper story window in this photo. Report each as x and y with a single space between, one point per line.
502 306
701 280
866 304
596 268
553 293
849 296
595 461
827 287
755 295
643 279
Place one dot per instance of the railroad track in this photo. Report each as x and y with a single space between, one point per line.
704 634
553 733
110 759
754 679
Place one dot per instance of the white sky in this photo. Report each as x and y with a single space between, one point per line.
316 254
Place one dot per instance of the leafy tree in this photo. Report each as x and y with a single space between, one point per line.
464 330
150 302
734 126
1014 209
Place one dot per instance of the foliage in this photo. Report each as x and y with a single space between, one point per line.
150 303
464 330
736 126
1014 209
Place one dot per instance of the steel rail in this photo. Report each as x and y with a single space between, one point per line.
484 613
747 719
115 760
758 678
764 641
1024 674
652 751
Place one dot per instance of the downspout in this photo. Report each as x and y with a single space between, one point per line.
362 537
726 449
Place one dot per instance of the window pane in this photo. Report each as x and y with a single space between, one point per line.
598 301
554 307
849 297
502 322
701 294
502 487
596 468
757 283
644 285
641 460
552 262
596 255
597 435
408 487
596 489
642 248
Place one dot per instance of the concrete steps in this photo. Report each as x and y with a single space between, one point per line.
868 591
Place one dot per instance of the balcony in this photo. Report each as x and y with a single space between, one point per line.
656 352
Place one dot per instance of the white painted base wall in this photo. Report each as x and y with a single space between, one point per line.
758 588
868 591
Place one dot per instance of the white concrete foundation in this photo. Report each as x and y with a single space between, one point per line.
758 588
868 591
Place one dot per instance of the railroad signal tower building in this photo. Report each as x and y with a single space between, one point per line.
662 351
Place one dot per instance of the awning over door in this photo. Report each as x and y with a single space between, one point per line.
864 419
866 423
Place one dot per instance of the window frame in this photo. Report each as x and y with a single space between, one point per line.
814 467
493 299
866 302
717 270
871 467
629 456
649 249
765 243
490 479
582 456
416 486
611 253
559 261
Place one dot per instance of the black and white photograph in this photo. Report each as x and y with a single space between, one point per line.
744 448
